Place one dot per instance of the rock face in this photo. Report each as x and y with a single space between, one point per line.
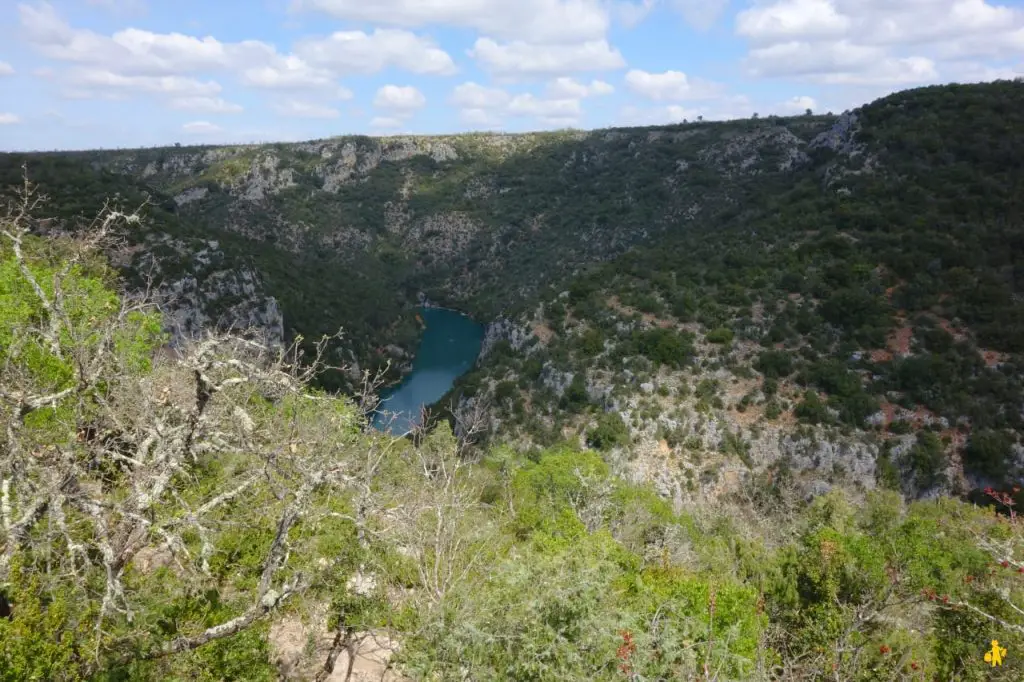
504 329
207 293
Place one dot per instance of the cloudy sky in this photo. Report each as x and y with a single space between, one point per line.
114 73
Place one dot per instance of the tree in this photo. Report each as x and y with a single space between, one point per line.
124 464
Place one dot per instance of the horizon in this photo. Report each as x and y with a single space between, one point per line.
119 74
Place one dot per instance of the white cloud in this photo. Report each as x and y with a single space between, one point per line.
528 104
536 21
287 73
402 100
138 53
632 115
483 106
100 80
201 128
304 109
670 86
567 88
8 119
6 69
518 58
797 105
841 63
789 19
347 52
701 14
471 95
631 14
209 105
877 42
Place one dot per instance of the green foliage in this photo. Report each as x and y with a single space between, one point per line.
609 432
663 346
46 635
720 335
928 459
987 452
774 364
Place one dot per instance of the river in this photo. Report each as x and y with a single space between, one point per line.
449 347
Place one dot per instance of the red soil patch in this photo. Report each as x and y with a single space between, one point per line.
948 327
881 356
993 357
543 332
899 341
888 414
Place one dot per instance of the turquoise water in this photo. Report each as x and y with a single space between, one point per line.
447 350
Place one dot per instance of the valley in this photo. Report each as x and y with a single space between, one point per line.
744 396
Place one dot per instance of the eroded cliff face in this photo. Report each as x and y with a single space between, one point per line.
481 221
199 290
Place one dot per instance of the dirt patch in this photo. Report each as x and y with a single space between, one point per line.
543 332
881 356
993 358
947 326
299 650
899 340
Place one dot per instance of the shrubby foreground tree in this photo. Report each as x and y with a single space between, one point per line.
152 500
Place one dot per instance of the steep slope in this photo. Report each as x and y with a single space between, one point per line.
348 232
860 319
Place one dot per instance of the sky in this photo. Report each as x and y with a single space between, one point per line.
78 74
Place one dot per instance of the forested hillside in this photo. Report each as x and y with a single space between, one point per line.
749 405
872 297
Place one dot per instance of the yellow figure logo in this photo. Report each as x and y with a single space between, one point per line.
995 657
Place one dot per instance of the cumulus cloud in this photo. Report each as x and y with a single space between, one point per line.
86 79
347 52
315 65
402 100
670 86
6 69
567 88
7 119
876 42
483 106
520 59
535 21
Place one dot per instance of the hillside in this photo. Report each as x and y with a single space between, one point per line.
350 231
723 364
859 320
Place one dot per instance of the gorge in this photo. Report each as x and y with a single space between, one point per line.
447 349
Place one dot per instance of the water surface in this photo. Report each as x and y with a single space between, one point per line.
449 347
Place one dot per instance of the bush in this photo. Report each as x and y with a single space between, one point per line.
720 335
609 432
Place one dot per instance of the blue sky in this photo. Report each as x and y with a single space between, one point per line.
120 73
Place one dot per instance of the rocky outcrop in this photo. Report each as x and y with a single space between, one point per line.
205 292
504 329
